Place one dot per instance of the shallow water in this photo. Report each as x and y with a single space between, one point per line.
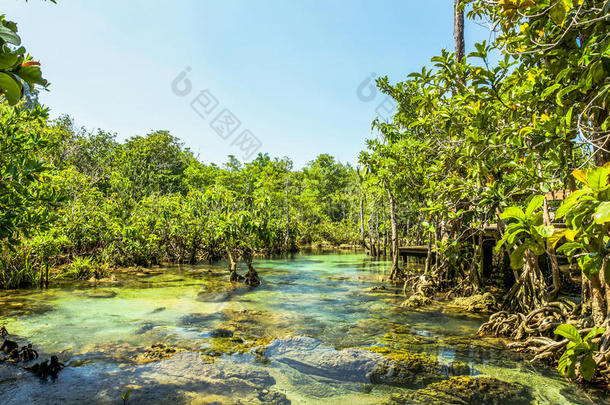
312 309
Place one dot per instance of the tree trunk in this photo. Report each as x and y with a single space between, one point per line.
377 231
394 273
372 250
362 235
554 293
528 293
599 302
428 256
287 236
458 30
252 279
385 230
233 276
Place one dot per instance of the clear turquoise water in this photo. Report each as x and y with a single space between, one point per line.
326 297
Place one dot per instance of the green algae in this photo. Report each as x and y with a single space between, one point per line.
477 303
467 391
156 352
408 369
235 345
416 301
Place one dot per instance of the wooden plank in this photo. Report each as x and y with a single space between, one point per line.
413 251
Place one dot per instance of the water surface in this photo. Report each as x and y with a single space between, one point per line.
311 314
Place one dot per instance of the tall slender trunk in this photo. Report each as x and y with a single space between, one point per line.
372 250
362 235
233 276
377 230
428 255
552 295
393 223
385 230
458 30
287 235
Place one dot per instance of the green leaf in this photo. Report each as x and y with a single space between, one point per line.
596 74
9 36
564 361
535 248
10 88
513 212
562 93
564 208
537 218
587 367
587 264
125 396
8 59
598 178
516 257
602 213
31 75
568 248
550 89
594 332
534 204
580 175
545 231
569 332
555 238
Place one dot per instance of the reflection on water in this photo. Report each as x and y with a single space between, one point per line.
311 314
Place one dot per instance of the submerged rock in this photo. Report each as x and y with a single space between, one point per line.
310 357
467 391
213 296
416 301
257 324
198 319
407 369
375 364
185 378
477 303
220 346
221 333
101 294
156 352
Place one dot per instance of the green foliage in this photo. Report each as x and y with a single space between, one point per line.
66 193
524 227
16 67
83 268
586 214
579 351
125 395
26 195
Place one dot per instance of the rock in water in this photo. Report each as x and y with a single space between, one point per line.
221 333
467 391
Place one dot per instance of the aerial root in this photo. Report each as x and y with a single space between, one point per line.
538 322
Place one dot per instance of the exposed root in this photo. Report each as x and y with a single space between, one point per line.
533 332
421 284
539 322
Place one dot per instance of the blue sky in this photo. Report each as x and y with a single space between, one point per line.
288 70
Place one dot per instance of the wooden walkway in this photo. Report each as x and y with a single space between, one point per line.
413 251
